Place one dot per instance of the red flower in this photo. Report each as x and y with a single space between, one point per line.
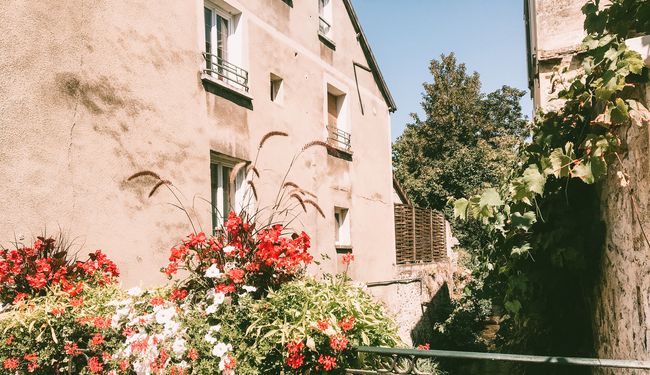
348 258
252 267
71 349
223 288
233 223
424 346
10 363
97 340
237 275
57 311
94 366
76 302
178 294
229 362
157 301
323 324
31 357
193 354
124 364
295 346
19 297
101 322
338 342
37 281
128 331
295 360
9 340
170 270
327 361
347 324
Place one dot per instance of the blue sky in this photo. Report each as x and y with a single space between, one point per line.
488 36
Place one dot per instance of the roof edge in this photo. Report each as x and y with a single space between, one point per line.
374 67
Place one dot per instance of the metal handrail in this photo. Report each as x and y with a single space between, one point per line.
339 138
411 356
323 26
227 71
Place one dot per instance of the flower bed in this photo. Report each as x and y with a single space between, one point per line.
243 305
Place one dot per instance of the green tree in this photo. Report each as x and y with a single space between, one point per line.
467 141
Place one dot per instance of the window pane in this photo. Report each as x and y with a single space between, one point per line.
222 37
207 16
214 180
227 201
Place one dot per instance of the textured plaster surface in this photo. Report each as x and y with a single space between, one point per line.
92 92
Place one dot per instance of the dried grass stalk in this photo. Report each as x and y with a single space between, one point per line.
250 183
317 143
315 205
144 173
159 184
235 170
271 134
299 199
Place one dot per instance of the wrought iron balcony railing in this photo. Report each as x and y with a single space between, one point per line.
225 71
339 139
323 26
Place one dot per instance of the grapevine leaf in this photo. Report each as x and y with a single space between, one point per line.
523 221
534 180
583 172
460 208
491 197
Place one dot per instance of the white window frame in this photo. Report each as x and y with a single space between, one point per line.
342 236
237 194
325 12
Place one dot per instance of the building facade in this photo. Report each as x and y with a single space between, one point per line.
621 297
92 93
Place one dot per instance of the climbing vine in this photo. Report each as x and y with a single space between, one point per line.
546 217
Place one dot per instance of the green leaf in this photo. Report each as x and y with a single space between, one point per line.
583 172
513 306
598 168
460 208
619 113
534 180
523 221
560 163
491 197
520 250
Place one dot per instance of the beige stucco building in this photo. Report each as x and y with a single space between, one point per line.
621 297
93 92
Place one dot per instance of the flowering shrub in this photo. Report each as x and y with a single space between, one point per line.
30 271
309 325
240 259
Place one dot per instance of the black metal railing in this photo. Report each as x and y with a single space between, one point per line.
323 26
415 361
226 71
338 138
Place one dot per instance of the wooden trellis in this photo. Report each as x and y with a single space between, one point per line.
420 235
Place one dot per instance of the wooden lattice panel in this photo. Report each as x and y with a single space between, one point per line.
420 235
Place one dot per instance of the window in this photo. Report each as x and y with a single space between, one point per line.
227 192
325 17
342 227
277 91
337 129
223 45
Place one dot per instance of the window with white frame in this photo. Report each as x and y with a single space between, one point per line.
223 47
325 17
228 191
342 227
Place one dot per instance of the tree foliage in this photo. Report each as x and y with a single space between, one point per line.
466 141
546 217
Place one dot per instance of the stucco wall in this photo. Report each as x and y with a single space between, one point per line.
621 300
91 93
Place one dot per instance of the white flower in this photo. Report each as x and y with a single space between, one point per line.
215 328
135 291
220 349
208 337
219 298
228 266
329 331
211 309
213 272
229 250
165 315
249 289
179 347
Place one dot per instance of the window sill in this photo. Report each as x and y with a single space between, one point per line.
343 249
339 153
226 91
327 41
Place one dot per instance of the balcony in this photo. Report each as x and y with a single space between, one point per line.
323 26
339 139
226 72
